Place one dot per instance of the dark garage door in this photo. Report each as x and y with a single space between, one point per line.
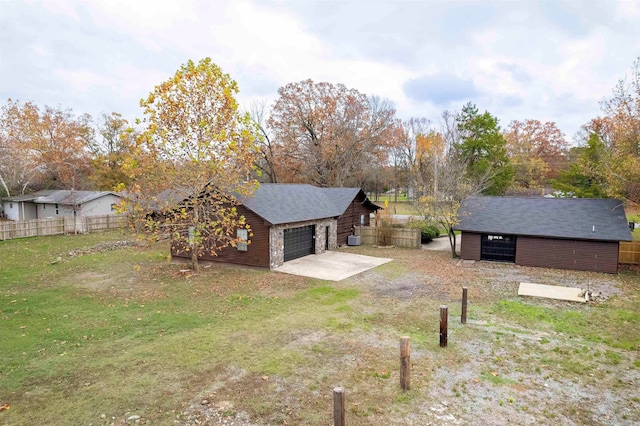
498 247
298 242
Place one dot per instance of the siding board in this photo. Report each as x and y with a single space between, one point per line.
257 253
581 255
470 246
351 218
599 256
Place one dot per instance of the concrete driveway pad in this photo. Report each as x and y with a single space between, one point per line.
331 265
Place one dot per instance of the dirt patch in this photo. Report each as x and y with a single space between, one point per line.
494 374
92 280
106 246
409 286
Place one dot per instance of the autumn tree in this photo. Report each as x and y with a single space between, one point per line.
536 152
451 177
43 148
455 183
620 130
328 132
114 144
483 148
611 145
585 177
419 147
195 156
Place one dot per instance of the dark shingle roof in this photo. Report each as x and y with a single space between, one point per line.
579 218
288 203
343 197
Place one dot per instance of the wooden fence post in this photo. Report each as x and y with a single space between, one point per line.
338 406
463 317
405 363
443 325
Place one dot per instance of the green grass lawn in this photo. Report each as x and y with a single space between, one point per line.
100 337
389 197
404 207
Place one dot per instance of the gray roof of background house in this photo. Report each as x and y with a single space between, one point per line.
287 203
545 217
61 196
30 197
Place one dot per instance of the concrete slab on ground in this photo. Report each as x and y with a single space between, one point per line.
571 294
331 265
442 244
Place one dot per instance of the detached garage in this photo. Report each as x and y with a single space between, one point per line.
289 221
565 233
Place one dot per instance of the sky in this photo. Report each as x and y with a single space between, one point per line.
544 60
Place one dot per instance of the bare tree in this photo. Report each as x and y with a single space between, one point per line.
266 162
454 185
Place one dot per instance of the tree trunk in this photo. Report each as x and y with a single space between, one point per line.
4 185
452 242
195 243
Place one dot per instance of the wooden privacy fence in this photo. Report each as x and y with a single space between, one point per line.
61 225
399 237
629 252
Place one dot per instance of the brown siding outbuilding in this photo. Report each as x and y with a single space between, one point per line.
566 233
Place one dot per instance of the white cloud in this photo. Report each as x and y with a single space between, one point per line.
81 79
550 61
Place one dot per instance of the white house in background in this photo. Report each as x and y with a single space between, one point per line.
54 203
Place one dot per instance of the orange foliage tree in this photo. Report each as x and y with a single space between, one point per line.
536 151
194 158
47 147
327 134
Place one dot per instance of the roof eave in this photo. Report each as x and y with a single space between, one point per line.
561 237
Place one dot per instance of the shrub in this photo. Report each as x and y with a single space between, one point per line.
385 230
428 231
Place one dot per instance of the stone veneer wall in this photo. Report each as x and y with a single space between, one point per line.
276 238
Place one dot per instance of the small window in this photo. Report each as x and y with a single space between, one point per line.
56 206
10 205
361 220
113 206
44 207
243 237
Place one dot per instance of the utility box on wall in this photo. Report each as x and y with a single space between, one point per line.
354 240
